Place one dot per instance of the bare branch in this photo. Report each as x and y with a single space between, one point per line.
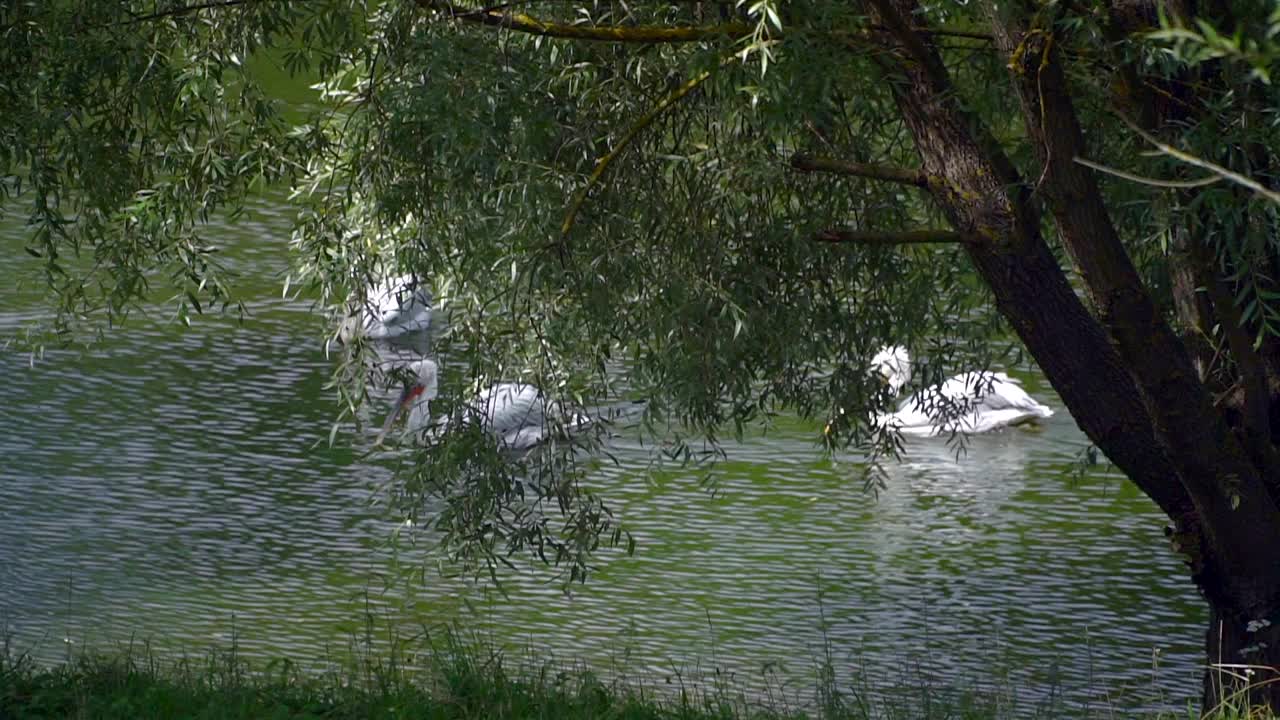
647 34
1214 168
909 237
943 32
1142 180
906 176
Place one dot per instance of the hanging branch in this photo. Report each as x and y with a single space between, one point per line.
632 132
1178 184
498 16
649 34
1214 168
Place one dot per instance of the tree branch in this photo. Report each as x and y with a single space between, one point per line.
981 192
872 237
645 34
1142 180
1253 376
495 16
808 163
1230 493
173 12
943 32
645 120
1214 168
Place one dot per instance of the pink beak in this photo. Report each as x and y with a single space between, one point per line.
406 396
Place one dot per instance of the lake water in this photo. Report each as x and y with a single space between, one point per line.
176 483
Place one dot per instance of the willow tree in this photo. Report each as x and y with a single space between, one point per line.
721 208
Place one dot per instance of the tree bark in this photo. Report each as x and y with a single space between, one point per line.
1148 412
1237 510
1191 302
983 197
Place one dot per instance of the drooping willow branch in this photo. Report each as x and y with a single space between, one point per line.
1143 180
1188 158
909 237
648 34
889 173
501 16
184 10
632 132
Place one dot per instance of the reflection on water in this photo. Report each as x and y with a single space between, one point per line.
177 483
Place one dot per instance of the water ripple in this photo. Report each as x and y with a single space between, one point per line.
178 483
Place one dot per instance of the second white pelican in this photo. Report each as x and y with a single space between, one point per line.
972 402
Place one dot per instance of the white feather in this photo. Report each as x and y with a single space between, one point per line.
516 414
972 402
392 307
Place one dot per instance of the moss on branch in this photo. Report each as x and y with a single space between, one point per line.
906 176
642 34
872 237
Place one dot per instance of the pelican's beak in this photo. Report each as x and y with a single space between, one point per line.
406 396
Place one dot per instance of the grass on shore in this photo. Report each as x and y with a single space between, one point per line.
449 680
454 681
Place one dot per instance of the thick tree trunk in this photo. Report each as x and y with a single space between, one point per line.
1148 411
985 199
1231 494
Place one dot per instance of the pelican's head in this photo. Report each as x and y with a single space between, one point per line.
399 296
893 364
415 397
424 373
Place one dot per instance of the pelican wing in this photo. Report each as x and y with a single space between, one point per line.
395 306
1007 395
972 402
507 408
398 300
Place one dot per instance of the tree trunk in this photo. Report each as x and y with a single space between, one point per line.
1123 374
1232 495
984 198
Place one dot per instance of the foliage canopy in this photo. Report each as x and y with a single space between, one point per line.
455 152
721 208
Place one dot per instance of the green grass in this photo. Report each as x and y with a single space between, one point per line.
447 679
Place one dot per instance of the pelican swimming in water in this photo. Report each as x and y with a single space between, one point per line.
972 402
392 307
517 414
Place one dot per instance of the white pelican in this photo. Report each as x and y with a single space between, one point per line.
516 414
392 307
972 402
